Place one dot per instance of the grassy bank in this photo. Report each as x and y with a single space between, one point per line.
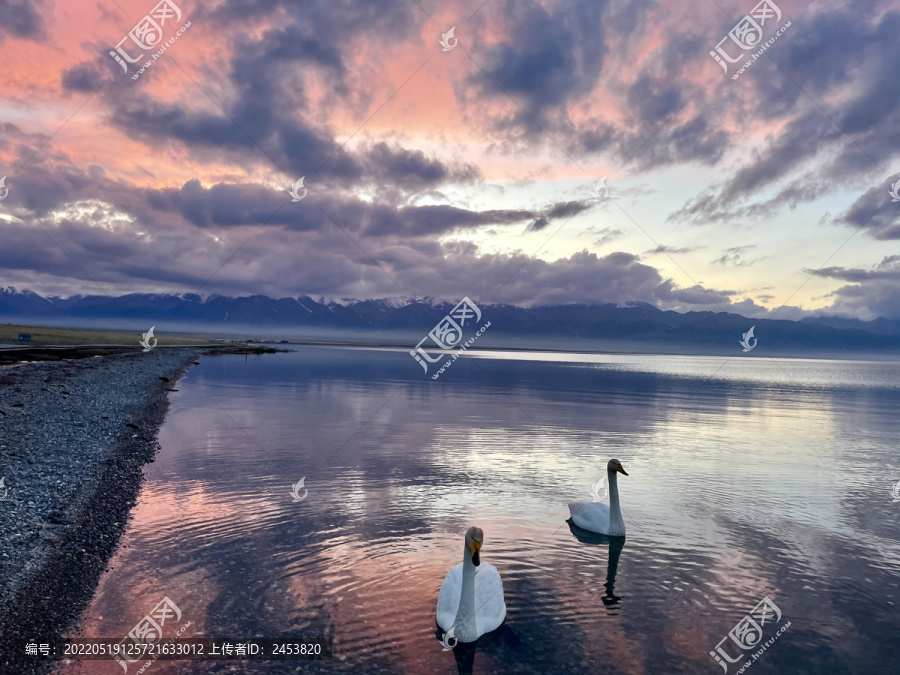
61 344
42 336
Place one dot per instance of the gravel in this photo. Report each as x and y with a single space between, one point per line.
74 437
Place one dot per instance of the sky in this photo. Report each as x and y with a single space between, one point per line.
579 151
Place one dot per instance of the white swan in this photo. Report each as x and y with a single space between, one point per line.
471 603
598 517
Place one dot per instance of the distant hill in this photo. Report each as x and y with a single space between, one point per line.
880 326
634 323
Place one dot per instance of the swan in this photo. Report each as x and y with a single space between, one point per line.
598 517
469 603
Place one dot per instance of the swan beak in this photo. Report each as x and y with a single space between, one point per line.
474 550
621 469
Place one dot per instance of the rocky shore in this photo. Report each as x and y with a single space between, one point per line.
74 437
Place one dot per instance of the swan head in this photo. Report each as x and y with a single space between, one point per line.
474 539
614 465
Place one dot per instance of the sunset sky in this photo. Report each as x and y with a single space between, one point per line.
460 172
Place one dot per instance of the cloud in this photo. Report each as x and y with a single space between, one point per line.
562 210
873 292
267 109
296 148
811 152
232 205
546 57
607 234
126 256
734 257
412 169
662 248
554 62
22 19
887 269
298 82
875 212
83 77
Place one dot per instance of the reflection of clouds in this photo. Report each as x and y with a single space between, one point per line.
746 491
139 576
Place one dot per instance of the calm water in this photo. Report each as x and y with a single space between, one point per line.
747 478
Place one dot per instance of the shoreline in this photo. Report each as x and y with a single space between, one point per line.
18 356
74 438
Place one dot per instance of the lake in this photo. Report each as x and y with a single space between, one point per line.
749 478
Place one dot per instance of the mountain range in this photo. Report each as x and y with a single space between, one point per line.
630 324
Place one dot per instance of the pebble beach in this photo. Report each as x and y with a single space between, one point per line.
74 437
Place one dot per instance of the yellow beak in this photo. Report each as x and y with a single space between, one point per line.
474 548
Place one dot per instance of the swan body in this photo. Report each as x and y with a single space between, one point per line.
595 518
471 598
602 518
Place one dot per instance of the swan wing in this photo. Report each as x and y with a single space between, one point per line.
490 608
592 516
448 598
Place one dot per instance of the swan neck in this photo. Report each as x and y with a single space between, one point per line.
615 511
465 615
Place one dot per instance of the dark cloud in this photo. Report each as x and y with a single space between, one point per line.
433 220
49 183
783 155
537 225
412 169
225 205
840 46
551 59
694 139
887 269
301 150
563 210
36 191
711 208
549 56
872 293
875 211
627 18
653 99
268 112
840 53
84 77
155 121
231 205
698 296
581 278
568 209
22 19
383 20
282 261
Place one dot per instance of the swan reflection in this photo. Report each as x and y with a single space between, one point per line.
616 544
